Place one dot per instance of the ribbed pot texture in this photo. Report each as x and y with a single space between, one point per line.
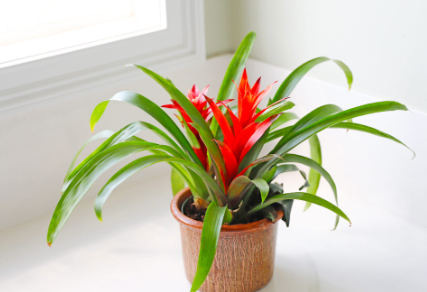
244 259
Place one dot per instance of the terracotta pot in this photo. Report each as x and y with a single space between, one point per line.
244 259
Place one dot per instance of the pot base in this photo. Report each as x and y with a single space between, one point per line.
244 260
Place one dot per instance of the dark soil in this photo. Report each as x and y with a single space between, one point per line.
190 210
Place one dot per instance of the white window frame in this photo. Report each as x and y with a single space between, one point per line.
182 42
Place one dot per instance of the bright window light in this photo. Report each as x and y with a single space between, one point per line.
31 29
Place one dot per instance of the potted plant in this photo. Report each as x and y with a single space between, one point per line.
229 209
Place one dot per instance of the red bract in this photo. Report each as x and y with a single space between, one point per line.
244 131
197 98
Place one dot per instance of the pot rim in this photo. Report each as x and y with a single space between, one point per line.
182 195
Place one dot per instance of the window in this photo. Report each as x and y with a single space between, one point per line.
34 28
169 33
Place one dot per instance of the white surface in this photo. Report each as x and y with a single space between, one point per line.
382 41
137 247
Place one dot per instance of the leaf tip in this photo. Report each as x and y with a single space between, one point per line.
49 244
252 34
98 215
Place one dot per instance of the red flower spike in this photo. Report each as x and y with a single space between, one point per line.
202 154
256 87
169 106
246 110
261 95
239 138
230 163
261 128
237 128
193 92
243 138
244 82
223 123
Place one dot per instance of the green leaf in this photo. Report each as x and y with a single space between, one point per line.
293 79
234 71
333 119
177 181
191 137
236 66
153 110
269 175
288 168
194 182
228 216
284 118
97 113
278 133
122 135
274 110
129 170
254 152
218 194
100 135
311 118
313 165
314 176
236 190
287 208
99 164
208 243
269 213
285 205
303 197
370 130
295 139
142 163
211 146
84 179
261 160
165 138
263 187
178 96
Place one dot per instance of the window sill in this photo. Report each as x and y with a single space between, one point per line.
139 243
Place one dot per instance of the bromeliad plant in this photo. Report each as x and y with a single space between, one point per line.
218 156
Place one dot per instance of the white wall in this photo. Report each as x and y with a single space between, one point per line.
383 42
219 31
